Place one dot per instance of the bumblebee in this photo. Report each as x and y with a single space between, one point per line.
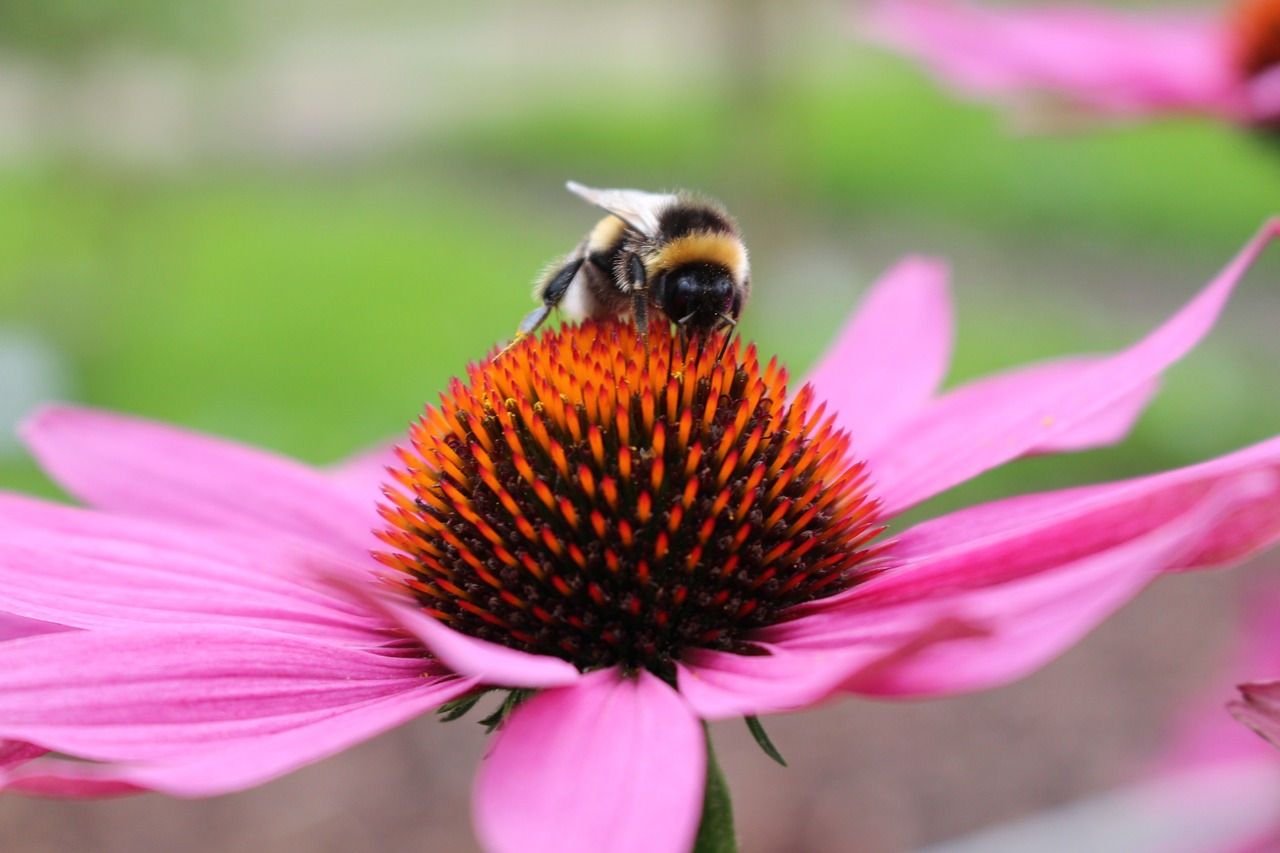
655 254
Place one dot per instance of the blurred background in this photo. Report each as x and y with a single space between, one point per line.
290 223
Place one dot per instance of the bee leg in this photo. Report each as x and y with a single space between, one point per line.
638 282
559 283
551 296
728 336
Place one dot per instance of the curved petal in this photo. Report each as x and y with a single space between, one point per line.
1112 62
612 763
958 438
14 753
97 582
488 662
67 780
241 763
1107 426
154 695
1004 539
892 354
1259 709
143 468
720 685
1028 613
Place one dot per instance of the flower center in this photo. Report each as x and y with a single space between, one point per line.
587 496
1256 27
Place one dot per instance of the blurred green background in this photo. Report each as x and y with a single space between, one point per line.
291 223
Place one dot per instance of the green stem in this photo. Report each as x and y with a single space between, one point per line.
715 833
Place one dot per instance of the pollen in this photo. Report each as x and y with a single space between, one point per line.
1256 31
586 496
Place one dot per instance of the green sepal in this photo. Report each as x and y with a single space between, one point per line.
514 697
459 708
715 831
762 739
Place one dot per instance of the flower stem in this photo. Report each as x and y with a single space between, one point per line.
715 833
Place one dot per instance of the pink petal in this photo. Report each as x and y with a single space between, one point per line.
487 662
956 438
1113 62
1105 427
1006 539
168 694
720 685
611 763
892 354
68 780
236 764
139 467
15 753
101 582
1259 709
1044 596
1263 96
13 627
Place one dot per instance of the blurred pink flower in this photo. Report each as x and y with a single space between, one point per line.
214 621
1259 709
1095 60
1259 704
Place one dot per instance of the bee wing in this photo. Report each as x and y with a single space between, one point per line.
637 208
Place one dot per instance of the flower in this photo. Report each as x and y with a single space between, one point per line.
1259 708
628 539
1259 704
1104 62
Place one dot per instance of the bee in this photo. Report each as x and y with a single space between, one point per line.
663 254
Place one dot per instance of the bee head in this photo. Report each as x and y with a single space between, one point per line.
698 295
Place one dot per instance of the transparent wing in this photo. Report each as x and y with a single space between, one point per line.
637 208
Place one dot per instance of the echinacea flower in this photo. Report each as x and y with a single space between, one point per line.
1105 62
624 539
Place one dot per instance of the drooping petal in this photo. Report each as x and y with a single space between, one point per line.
147 469
956 438
1105 427
720 685
14 753
1109 61
103 582
892 354
66 780
1030 602
1000 540
1259 709
488 662
610 763
239 763
171 694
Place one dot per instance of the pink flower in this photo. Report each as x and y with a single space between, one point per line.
1259 705
216 620
1259 709
1100 61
